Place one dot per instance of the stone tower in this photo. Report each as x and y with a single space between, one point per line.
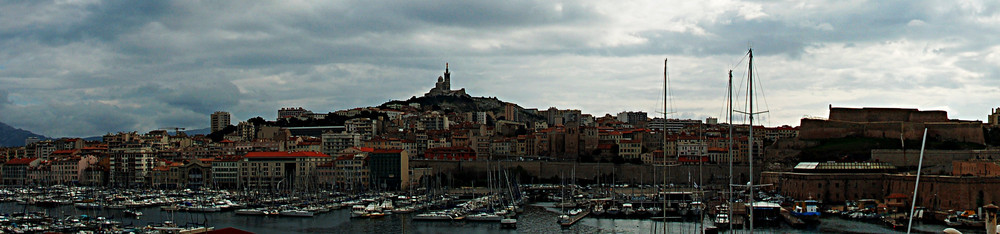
447 78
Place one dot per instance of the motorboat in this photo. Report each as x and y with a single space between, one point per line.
358 211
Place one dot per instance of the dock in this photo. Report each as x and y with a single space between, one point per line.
573 219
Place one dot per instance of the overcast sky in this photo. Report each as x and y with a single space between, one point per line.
84 68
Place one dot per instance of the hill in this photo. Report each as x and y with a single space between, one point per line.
203 131
462 103
13 137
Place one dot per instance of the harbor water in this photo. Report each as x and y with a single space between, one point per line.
537 218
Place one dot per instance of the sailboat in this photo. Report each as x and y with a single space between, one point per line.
723 212
762 212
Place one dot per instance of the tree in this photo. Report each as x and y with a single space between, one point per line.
218 136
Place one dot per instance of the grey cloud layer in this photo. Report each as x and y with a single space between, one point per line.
80 68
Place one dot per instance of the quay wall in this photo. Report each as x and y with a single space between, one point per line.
936 192
623 173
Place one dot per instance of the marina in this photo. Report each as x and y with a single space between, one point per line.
302 214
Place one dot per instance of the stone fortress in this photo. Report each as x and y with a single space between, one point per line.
891 123
443 86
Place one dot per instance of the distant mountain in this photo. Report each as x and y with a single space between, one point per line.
203 131
11 137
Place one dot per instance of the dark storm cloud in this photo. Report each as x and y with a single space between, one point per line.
137 65
68 22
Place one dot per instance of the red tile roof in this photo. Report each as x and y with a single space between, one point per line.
387 151
69 151
20 161
284 154
365 149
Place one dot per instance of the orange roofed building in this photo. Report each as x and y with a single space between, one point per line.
280 171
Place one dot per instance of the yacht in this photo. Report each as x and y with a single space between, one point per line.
254 211
296 213
485 216
358 211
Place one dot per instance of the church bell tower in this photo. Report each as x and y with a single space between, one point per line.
447 78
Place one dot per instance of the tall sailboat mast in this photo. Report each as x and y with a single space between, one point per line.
664 140
750 136
729 200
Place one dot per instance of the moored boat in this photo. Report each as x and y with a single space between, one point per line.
807 211
508 223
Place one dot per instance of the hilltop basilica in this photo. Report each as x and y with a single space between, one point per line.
443 86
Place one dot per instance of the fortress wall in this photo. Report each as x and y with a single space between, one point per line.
957 131
847 114
961 131
928 116
886 115
822 129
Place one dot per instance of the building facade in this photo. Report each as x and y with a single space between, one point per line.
220 120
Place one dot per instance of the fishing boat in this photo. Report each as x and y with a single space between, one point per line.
807 211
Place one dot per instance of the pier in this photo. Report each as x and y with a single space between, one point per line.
572 219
